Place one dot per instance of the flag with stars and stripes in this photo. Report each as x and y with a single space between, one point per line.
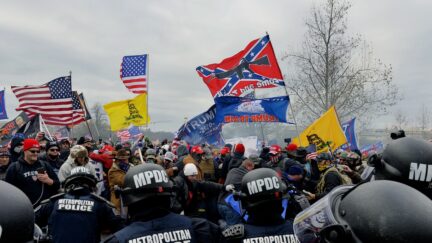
53 101
79 114
133 73
252 69
131 133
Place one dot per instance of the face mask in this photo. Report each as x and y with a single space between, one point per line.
322 166
17 149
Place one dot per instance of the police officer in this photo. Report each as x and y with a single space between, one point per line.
16 215
78 215
378 211
407 160
261 195
147 193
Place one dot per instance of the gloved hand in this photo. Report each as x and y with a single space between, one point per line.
229 188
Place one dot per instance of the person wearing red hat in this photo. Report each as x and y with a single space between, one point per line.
238 156
34 177
196 156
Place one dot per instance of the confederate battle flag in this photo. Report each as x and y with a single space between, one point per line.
251 69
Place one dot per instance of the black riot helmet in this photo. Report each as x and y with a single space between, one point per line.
378 211
407 160
16 215
80 177
145 181
260 186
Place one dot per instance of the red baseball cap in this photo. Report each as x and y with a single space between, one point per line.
275 149
30 143
291 147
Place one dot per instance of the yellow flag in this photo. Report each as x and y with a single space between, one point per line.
125 112
325 129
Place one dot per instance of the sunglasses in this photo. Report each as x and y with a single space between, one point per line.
53 150
34 151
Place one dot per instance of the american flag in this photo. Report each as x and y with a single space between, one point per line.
53 101
132 132
61 133
133 73
311 156
78 111
123 135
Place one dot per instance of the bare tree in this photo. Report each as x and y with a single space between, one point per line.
99 116
401 120
334 68
424 118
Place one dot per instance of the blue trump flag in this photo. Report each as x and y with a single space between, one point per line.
241 109
350 134
3 114
202 129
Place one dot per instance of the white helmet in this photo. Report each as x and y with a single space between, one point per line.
190 169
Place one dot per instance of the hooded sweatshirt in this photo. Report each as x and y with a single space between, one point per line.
23 175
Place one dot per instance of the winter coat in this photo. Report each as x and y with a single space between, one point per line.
68 165
189 159
55 164
116 178
182 152
23 175
198 199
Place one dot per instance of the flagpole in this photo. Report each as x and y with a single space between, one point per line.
286 92
72 93
46 128
147 86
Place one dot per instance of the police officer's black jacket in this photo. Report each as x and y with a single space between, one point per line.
271 230
77 217
159 225
23 175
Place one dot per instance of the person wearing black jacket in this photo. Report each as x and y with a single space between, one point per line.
197 198
234 177
52 156
85 213
147 193
34 177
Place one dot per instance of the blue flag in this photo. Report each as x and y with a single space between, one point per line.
350 134
202 129
3 114
241 109
372 148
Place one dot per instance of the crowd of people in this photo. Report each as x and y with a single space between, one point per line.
82 190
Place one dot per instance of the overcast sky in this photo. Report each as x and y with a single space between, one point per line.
42 40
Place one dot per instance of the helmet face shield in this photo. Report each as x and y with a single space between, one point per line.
309 223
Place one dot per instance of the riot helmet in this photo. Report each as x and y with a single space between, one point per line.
378 211
16 215
260 186
407 160
80 177
145 181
